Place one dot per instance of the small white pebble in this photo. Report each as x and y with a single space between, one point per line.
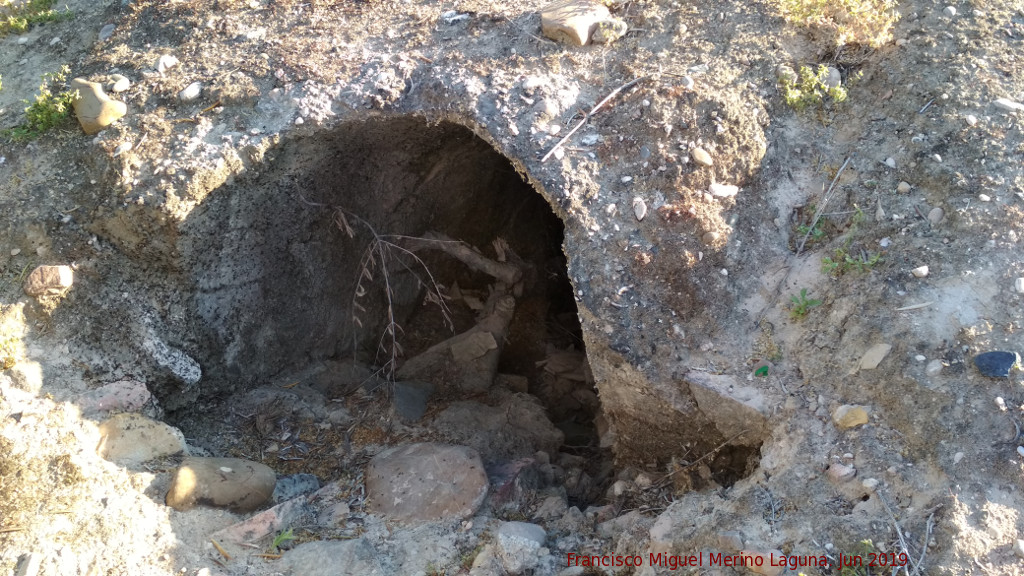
870 484
984 197
958 457
920 271
920 358
627 179
122 148
949 11
725 272
890 162
554 129
936 157
55 40
1001 403
1020 450
971 119
15 251
646 103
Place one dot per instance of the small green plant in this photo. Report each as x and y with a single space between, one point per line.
845 262
762 372
801 305
16 17
283 537
49 109
814 234
809 88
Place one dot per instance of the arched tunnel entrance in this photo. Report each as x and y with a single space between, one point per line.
386 281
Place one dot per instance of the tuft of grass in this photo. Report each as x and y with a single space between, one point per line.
16 17
845 262
50 107
807 88
282 538
844 22
801 305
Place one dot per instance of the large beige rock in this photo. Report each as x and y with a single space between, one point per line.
128 439
572 21
234 483
49 280
426 482
94 109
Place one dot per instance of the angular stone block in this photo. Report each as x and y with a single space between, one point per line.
733 407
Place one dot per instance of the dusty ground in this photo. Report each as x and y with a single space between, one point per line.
202 236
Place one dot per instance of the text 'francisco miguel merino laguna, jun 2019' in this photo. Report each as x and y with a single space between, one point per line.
745 559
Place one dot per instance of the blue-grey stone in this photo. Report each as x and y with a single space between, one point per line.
289 487
996 364
106 32
411 399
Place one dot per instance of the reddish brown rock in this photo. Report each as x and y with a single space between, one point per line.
49 280
426 482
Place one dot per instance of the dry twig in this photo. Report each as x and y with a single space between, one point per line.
590 115
382 253
821 207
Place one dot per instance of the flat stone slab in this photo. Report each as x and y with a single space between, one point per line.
129 439
265 523
426 482
120 396
874 356
997 364
234 483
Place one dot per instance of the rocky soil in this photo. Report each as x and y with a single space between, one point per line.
362 250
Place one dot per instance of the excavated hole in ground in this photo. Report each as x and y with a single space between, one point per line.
331 228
